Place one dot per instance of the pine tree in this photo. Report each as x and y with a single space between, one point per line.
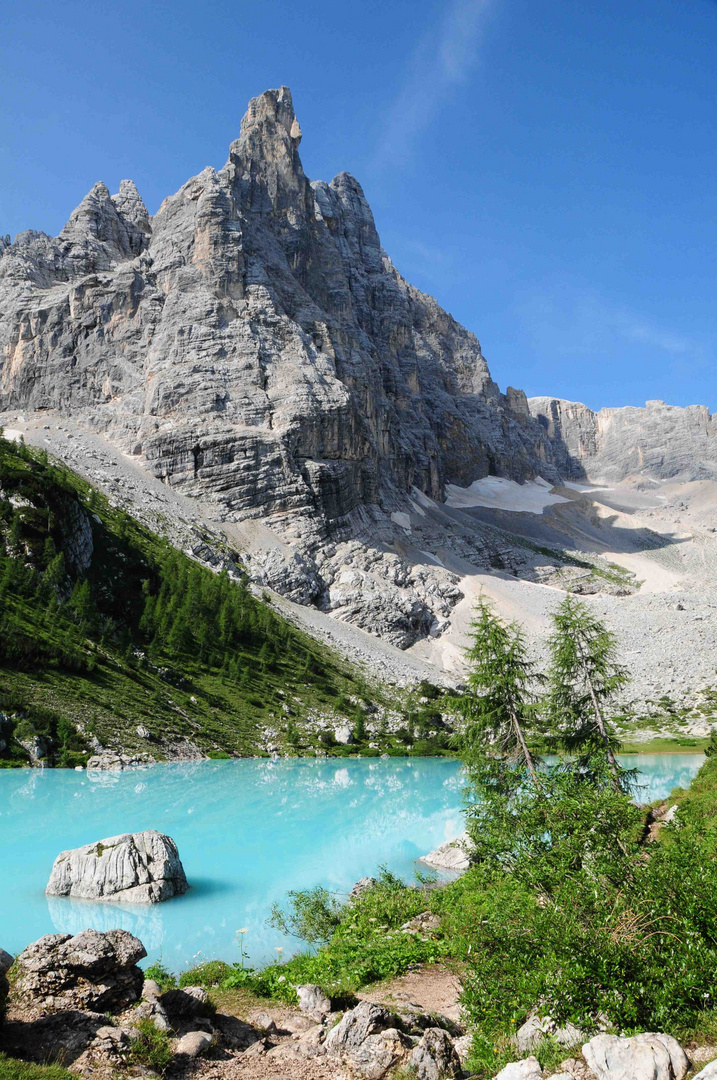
500 707
584 678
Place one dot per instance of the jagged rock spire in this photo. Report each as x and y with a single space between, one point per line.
264 161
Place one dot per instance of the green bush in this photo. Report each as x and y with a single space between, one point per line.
366 944
161 975
212 973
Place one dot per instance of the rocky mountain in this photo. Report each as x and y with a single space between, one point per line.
246 370
659 442
253 343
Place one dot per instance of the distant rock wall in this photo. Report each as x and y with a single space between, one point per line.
659 441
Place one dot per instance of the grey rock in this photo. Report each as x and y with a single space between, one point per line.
462 1046
531 1034
37 748
185 1003
313 1001
658 441
361 886
527 1069
368 1039
643 1057
109 761
435 1057
233 1032
151 990
453 855
427 922
194 1044
344 734
708 1073
91 971
152 1009
135 868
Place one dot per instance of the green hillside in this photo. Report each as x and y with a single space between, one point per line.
139 635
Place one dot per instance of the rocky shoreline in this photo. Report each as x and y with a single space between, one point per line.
83 1001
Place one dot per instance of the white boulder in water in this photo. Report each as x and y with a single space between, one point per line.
136 868
453 855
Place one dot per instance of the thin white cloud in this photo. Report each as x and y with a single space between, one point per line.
563 321
441 63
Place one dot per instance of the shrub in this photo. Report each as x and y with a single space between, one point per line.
212 973
161 975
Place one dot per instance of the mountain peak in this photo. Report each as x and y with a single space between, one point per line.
264 161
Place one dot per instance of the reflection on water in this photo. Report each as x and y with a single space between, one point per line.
247 831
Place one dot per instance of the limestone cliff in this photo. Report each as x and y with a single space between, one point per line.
252 344
657 442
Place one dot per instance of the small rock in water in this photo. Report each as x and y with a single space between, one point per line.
136 868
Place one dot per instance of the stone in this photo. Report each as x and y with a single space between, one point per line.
452 855
92 971
462 1046
313 1001
527 1069
435 1057
194 1044
234 1033
427 922
361 886
152 1009
642 1057
529 1036
708 1073
310 1043
135 868
185 1003
344 734
368 1039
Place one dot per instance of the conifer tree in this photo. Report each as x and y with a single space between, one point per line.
500 707
584 678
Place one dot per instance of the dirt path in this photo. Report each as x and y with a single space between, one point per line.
435 988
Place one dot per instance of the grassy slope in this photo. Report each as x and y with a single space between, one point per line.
174 694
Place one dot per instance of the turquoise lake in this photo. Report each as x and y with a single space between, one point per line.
247 832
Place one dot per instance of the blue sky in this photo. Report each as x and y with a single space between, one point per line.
547 171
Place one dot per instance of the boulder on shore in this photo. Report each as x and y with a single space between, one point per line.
650 1056
136 868
453 855
91 971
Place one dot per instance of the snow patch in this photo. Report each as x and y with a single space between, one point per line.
495 491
